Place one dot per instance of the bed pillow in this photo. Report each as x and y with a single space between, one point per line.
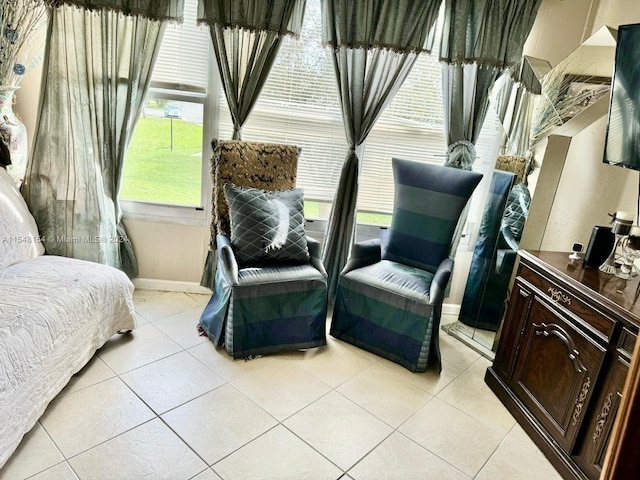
267 227
19 237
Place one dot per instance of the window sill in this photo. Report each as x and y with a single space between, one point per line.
162 213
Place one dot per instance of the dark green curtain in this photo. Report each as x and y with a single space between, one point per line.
374 45
246 37
98 63
480 38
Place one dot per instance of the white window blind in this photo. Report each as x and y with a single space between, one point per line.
299 105
182 62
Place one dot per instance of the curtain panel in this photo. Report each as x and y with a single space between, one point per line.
374 45
246 36
480 38
513 98
97 71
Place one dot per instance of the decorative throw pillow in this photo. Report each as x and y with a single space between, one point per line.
267 227
19 237
517 210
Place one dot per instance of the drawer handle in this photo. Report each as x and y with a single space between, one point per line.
582 397
558 296
602 417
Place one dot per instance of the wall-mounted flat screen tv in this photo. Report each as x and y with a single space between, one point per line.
622 145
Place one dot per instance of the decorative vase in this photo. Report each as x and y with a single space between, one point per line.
14 134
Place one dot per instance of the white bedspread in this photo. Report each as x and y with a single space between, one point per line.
54 314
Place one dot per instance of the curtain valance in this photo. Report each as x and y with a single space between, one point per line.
400 25
283 17
490 33
151 9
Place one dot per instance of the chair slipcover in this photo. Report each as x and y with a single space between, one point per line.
390 302
490 271
258 310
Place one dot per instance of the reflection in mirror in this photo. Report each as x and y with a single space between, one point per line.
533 102
575 83
505 211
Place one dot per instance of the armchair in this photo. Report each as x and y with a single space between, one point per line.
265 300
389 301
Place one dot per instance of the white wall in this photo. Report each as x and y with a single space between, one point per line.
587 191
559 28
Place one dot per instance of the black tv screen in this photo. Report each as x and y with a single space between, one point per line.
622 144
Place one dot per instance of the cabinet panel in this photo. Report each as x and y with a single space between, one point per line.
591 453
600 323
517 311
555 371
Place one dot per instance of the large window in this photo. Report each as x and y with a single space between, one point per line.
299 105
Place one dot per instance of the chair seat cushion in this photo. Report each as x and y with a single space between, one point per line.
278 274
395 278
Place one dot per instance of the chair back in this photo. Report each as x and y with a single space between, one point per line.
267 166
427 206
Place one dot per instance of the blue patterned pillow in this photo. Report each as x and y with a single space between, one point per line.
267 227
427 204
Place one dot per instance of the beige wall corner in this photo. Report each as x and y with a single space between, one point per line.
167 251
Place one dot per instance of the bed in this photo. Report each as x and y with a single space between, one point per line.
55 313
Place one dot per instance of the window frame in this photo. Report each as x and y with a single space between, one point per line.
199 215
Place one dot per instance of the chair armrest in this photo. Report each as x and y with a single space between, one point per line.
509 239
315 254
505 261
440 281
363 254
227 262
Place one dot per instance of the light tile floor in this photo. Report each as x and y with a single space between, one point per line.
163 403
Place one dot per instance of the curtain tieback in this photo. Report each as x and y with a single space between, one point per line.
461 154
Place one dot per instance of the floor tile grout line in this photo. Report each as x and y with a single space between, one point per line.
433 453
281 422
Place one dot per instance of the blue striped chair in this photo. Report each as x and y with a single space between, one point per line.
389 301
258 309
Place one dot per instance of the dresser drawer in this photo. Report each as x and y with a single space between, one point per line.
592 320
626 343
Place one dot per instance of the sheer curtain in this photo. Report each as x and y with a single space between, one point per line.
374 43
99 56
246 36
480 38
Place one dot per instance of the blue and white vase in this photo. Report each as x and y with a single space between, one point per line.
13 133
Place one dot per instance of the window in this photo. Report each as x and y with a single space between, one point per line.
299 105
164 162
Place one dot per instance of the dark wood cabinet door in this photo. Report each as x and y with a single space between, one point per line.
590 454
555 371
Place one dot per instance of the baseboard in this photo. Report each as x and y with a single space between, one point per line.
169 286
450 309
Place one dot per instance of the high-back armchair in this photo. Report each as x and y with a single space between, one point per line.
390 301
270 288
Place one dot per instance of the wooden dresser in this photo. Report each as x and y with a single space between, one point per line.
563 357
